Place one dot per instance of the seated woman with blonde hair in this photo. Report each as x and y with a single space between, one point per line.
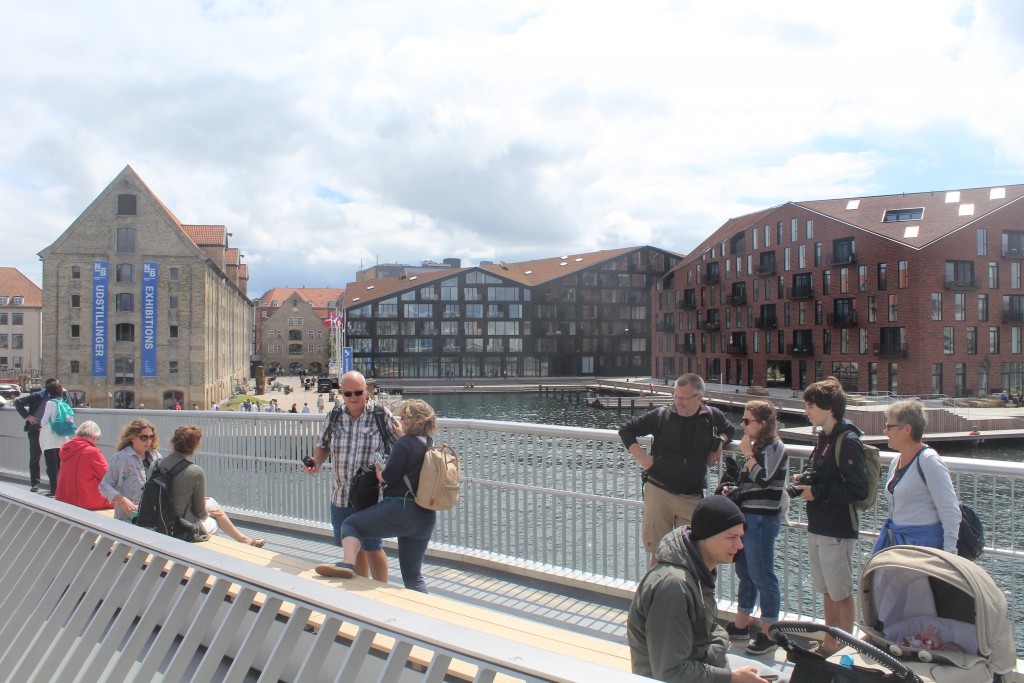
188 489
136 453
82 466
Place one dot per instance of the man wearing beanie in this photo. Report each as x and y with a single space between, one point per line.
672 628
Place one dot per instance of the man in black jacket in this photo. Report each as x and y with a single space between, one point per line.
832 523
688 438
31 407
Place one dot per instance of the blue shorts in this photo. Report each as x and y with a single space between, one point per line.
338 516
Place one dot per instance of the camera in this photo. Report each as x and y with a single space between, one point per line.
802 479
308 461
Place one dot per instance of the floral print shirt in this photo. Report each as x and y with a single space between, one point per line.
126 476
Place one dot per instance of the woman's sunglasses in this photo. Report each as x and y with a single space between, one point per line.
746 421
146 437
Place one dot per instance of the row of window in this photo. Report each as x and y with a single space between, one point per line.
17 341
123 302
295 349
295 335
15 318
125 272
12 362
124 332
12 300
124 369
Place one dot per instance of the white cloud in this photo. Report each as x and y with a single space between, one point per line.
328 135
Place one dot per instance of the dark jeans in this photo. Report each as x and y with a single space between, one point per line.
34 453
755 567
338 517
401 518
52 458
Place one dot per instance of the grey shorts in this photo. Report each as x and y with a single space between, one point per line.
831 562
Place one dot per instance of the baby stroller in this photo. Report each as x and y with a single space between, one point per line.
810 667
942 614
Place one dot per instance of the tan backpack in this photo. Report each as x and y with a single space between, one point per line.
439 479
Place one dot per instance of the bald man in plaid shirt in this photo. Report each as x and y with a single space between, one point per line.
350 437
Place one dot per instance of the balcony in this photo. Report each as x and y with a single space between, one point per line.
841 258
845 319
451 349
766 323
737 349
801 349
712 278
766 269
687 347
1013 252
961 283
687 304
711 326
802 292
738 299
891 350
1013 316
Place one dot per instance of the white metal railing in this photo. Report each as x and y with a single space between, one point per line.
90 599
567 500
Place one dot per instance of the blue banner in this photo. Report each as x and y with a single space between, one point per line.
149 292
346 359
99 319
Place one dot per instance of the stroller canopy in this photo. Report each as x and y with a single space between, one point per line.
905 589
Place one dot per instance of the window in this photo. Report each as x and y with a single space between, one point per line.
17 301
76 273
960 307
295 335
124 399
124 370
883 282
124 272
893 317
17 318
172 332
972 340
936 306
982 307
809 230
124 332
76 301
76 331
74 367
993 340
309 334
126 204
295 349
17 341
893 215
901 274
982 242
947 340
172 367
124 302
862 278
993 275
172 273
3 342
3 318
172 302
126 240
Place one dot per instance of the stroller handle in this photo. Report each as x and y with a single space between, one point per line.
867 649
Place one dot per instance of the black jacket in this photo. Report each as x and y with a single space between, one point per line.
680 464
836 488
28 405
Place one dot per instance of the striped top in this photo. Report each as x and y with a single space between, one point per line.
762 487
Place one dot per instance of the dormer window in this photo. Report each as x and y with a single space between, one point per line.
894 215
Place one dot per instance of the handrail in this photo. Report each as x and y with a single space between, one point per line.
44 528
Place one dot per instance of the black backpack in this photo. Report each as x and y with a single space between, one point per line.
156 509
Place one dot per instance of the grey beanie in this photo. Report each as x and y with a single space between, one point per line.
712 516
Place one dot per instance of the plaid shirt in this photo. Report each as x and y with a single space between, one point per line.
351 446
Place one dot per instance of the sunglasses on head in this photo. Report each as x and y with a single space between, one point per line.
357 392
147 437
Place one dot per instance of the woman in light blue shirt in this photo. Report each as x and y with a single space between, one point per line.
923 507
136 453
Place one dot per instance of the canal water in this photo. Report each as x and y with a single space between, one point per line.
537 408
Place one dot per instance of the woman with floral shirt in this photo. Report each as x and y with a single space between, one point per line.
129 468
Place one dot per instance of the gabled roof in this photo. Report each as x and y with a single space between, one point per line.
370 290
13 283
943 212
206 235
540 271
320 297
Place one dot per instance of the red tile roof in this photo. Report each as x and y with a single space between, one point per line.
13 283
320 297
206 235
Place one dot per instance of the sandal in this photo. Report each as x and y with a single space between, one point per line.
256 542
339 570
819 649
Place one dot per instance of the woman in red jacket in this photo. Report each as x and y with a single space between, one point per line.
82 468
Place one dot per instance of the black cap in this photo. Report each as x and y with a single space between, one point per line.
712 516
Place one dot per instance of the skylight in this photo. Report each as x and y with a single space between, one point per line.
578 260
852 204
414 277
370 287
528 272
911 231
967 209
563 263
953 197
997 193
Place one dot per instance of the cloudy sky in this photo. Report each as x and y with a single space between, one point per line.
333 135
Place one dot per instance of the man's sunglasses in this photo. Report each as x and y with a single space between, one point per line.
348 394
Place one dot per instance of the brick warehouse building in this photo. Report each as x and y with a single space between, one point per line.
909 294
141 308
585 314
290 332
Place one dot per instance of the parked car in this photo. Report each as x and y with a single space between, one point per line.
10 391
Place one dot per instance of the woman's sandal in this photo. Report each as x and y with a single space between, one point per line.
819 649
256 542
339 570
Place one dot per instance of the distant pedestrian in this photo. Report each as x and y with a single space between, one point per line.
195 406
177 405
305 408
294 408
320 403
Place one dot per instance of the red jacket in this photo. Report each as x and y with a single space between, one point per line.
82 467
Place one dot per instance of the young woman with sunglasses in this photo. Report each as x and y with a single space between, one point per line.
136 452
762 484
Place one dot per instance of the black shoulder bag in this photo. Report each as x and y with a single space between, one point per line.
364 487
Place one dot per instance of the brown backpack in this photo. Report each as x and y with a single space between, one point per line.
439 479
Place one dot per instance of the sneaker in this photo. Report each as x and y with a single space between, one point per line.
737 633
761 645
339 570
49 494
34 489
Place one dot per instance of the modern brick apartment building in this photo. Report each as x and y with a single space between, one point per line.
585 314
141 308
909 294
